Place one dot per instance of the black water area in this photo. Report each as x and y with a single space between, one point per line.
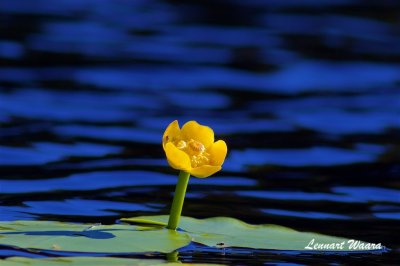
306 94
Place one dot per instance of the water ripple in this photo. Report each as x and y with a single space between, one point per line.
305 214
111 179
46 152
80 207
340 194
321 156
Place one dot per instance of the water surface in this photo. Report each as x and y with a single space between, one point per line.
305 93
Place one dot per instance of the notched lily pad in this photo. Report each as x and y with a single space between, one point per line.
76 261
88 238
150 236
83 261
230 232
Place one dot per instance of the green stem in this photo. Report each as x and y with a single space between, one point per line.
173 256
177 203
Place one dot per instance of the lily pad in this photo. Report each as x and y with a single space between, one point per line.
83 261
76 261
230 232
90 238
151 236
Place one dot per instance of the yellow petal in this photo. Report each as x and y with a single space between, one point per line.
218 152
203 134
177 159
172 132
204 171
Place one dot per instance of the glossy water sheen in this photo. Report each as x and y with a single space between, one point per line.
305 93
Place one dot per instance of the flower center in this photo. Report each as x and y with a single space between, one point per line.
196 151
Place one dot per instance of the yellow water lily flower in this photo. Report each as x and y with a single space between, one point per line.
192 149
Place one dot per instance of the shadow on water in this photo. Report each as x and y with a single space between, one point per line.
306 94
93 234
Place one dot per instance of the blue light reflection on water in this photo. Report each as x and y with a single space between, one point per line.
109 133
321 156
224 127
345 122
10 49
292 79
339 194
79 207
317 25
84 106
386 211
307 215
388 215
104 179
43 152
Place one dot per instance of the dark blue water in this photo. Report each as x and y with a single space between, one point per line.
305 93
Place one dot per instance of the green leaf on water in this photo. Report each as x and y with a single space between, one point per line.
84 261
225 231
86 238
150 236
77 261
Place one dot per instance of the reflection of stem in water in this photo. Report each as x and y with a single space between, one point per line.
173 256
177 203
